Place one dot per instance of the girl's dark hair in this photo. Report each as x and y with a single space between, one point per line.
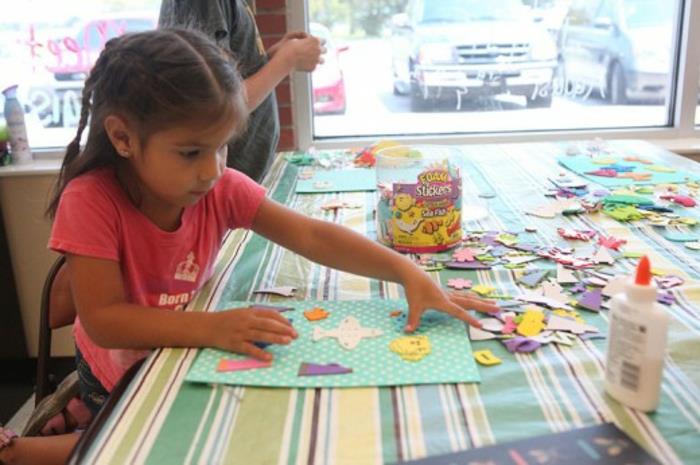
155 79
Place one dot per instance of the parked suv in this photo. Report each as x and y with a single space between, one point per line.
469 48
620 48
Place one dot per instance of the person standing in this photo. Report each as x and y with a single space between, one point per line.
231 24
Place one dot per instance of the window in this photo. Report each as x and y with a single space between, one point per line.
445 67
697 110
48 47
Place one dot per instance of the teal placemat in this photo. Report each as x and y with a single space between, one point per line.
582 164
347 180
373 364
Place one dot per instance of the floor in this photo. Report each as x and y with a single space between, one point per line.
17 389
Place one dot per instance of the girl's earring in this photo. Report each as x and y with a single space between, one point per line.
125 153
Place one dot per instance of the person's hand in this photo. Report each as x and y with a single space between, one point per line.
287 37
237 330
302 54
423 294
6 437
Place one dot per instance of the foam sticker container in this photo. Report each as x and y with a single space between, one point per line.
420 198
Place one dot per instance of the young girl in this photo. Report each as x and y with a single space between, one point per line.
141 211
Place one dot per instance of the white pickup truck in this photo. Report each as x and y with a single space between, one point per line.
446 49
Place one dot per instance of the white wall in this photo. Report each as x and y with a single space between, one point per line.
23 200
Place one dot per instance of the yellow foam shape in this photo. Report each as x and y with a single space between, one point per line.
485 357
532 323
569 314
411 348
483 290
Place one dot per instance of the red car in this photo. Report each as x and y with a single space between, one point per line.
327 79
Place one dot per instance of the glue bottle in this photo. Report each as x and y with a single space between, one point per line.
636 343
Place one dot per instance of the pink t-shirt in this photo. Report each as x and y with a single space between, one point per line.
95 218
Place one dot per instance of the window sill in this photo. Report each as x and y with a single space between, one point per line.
40 167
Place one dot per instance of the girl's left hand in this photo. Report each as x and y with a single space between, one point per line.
423 294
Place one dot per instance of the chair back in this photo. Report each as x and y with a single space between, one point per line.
57 310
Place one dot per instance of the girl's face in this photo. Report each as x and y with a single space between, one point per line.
176 167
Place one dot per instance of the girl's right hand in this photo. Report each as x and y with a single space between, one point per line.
237 330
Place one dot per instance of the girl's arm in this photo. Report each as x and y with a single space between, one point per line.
296 51
341 248
112 322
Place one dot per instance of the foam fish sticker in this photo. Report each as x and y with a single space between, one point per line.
316 314
411 348
349 333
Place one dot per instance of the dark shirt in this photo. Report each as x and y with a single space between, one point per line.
232 25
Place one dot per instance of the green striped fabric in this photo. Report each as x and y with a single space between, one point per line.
163 420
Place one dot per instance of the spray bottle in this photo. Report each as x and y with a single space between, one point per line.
14 116
636 343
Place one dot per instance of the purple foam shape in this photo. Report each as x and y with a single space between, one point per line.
473 265
319 369
666 298
521 344
591 300
577 288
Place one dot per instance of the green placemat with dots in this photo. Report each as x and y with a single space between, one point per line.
372 361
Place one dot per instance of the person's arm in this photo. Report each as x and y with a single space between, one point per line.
296 51
112 322
341 248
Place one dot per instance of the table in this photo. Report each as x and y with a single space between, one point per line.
162 420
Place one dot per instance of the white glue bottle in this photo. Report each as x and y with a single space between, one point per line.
636 343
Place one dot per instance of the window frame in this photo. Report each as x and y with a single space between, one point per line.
680 133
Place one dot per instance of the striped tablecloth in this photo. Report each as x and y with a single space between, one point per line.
163 420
